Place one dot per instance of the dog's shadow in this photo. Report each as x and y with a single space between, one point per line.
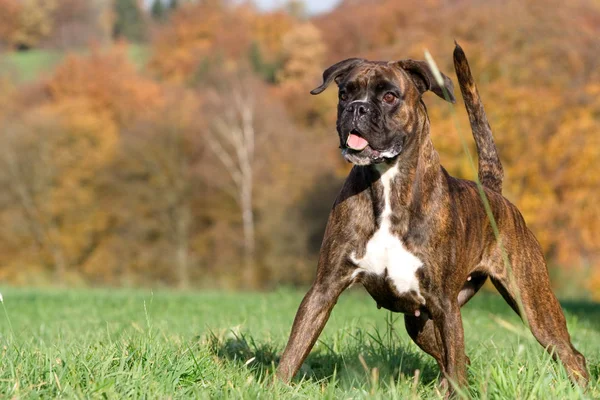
365 357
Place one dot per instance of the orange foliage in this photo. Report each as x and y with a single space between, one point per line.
25 23
110 84
184 44
72 134
224 36
268 30
9 18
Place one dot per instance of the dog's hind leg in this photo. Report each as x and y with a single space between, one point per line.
471 287
422 330
527 290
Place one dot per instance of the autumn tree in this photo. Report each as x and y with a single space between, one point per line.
59 148
129 22
233 139
158 10
166 149
27 179
303 52
26 23
9 18
185 49
79 23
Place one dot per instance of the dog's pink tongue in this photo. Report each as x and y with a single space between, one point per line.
355 142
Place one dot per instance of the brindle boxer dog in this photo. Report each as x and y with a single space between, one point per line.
418 239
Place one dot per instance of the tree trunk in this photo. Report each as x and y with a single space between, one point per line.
183 275
182 216
182 247
250 273
60 265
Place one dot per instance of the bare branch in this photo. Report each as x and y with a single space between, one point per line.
225 159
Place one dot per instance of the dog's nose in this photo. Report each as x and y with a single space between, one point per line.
359 108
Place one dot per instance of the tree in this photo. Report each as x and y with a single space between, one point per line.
79 23
184 45
28 174
166 147
55 152
9 19
51 159
304 53
297 8
158 10
233 141
229 33
129 21
109 82
25 24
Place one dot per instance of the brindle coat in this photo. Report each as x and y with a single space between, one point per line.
439 219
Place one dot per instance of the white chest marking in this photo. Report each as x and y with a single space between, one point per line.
386 251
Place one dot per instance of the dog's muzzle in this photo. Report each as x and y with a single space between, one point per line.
358 151
358 136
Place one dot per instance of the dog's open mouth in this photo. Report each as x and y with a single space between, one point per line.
357 150
356 142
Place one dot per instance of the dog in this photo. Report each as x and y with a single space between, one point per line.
419 240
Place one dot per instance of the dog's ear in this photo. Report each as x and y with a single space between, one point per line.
336 71
424 79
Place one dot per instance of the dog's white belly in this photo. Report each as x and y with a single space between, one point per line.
386 252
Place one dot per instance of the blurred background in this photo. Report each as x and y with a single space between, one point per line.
174 143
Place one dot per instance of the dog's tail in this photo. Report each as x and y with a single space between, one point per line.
490 167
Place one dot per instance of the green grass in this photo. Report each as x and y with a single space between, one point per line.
28 66
122 343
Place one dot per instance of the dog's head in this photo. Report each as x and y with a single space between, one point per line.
378 109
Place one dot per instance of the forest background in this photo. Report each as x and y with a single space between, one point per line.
174 143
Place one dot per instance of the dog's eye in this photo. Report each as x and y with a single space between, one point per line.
389 98
343 96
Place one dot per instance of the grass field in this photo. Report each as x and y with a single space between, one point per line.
123 343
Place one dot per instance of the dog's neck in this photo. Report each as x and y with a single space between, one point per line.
414 175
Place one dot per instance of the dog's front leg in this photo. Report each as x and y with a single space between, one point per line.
310 319
449 322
